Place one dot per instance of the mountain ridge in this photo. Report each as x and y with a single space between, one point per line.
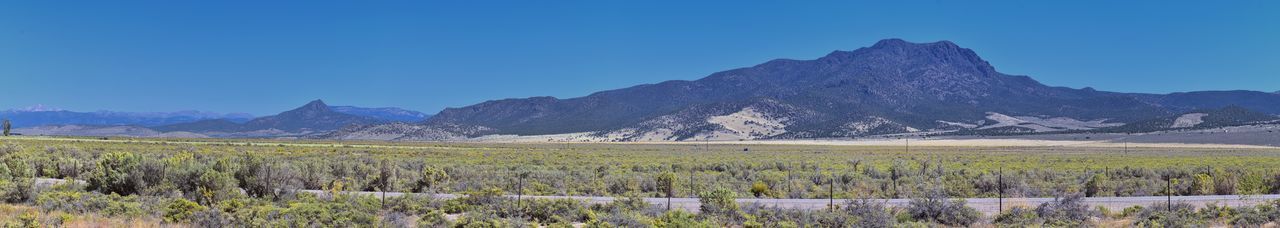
311 117
893 86
42 115
386 113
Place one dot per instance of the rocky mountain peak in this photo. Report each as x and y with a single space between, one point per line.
314 106
904 54
900 43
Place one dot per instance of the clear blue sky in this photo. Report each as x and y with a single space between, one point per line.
263 57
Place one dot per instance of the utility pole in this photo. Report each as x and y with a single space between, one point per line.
669 196
273 191
831 194
691 190
671 185
520 193
1168 203
790 165
382 175
519 189
1000 184
908 144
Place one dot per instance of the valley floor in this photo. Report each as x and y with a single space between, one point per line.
1118 183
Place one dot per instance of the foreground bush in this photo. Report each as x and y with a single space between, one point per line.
937 208
181 211
719 202
1176 215
116 173
1018 217
1069 211
91 203
870 213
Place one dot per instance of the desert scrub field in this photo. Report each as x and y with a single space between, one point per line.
766 171
250 182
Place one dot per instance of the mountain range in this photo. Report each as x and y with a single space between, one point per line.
891 87
41 115
315 116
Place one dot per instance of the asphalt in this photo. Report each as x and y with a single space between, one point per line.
988 206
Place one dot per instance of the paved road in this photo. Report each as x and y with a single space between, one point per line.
987 206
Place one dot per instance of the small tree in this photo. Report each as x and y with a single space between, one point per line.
7 125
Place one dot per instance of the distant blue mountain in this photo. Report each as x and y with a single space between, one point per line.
41 115
389 113
314 116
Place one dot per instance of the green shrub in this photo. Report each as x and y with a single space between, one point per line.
475 222
552 210
1251 217
718 202
1018 217
181 211
759 189
27 220
1095 185
434 218
15 179
1176 215
681 219
115 173
90 202
1068 211
666 182
1202 184
15 190
213 186
1130 211
431 179
937 208
412 205
454 206
869 213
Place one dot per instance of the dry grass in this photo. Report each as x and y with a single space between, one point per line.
24 216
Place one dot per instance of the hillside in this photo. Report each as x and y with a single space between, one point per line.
891 87
1197 119
384 113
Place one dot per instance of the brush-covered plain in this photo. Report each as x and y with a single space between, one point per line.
252 182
